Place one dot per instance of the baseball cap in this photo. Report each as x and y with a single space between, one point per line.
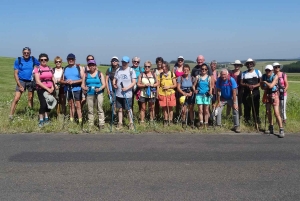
71 56
126 59
276 64
269 67
114 57
91 62
180 57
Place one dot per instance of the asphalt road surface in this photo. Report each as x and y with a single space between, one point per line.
149 167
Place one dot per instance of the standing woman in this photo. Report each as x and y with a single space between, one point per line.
203 90
178 71
166 92
44 78
59 89
159 61
185 88
283 87
148 84
94 83
85 69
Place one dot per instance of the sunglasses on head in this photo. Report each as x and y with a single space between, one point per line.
136 62
57 62
43 59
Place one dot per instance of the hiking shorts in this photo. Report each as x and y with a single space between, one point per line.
146 100
27 85
165 101
77 95
121 103
202 100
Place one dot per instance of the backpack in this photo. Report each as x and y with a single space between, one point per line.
33 60
41 72
256 71
264 78
228 79
161 74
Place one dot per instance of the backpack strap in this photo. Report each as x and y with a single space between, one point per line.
19 60
257 73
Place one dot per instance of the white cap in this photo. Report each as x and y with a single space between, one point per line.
269 67
237 62
180 57
114 57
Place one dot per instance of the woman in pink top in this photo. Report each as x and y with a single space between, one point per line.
178 71
283 87
44 78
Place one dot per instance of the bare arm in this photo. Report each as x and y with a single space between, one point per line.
139 83
103 81
274 82
286 83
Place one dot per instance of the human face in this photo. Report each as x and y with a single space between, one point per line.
92 67
135 62
26 54
159 64
200 60
237 66
186 71
43 61
204 70
165 69
114 62
213 66
125 64
147 67
180 62
268 72
224 75
276 68
58 63
250 65
71 61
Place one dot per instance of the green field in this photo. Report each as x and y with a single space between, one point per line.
23 124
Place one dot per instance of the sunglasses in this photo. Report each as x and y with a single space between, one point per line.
250 63
26 53
114 61
43 59
90 59
136 62
180 60
267 70
276 67
147 66
70 59
204 69
57 62
237 65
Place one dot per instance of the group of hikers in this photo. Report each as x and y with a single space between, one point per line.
153 88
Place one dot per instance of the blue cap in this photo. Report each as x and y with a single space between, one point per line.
71 56
126 59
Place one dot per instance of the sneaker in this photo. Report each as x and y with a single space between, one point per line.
237 129
11 117
270 130
46 121
41 124
131 127
281 133
119 126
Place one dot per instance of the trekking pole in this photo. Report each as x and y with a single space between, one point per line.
111 103
254 112
65 112
186 116
130 111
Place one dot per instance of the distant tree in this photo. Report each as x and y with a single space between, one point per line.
185 61
292 68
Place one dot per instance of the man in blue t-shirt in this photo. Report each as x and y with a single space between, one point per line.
23 68
226 94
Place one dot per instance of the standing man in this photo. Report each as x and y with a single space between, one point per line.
23 68
197 69
226 95
138 70
127 77
72 78
250 81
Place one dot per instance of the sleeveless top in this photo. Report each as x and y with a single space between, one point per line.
203 85
146 80
92 83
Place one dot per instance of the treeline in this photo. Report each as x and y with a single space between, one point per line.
292 68
185 61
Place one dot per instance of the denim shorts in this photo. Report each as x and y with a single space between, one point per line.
121 103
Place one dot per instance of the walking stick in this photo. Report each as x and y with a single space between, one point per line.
254 112
130 111
65 112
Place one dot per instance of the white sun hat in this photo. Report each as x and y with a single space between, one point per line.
237 62
269 67
250 60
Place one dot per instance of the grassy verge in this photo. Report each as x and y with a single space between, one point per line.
25 123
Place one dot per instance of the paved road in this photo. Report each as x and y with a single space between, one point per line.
149 167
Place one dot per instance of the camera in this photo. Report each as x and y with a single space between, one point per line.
187 90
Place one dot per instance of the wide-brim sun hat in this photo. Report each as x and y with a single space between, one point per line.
237 62
249 61
50 100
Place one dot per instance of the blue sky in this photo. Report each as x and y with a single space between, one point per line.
220 30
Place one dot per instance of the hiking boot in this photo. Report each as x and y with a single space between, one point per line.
101 127
183 124
166 123
281 133
237 129
270 130
192 125
131 127
41 124
119 126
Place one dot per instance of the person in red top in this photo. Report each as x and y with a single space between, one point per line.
44 78
236 74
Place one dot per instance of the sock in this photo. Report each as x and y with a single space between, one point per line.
80 120
46 119
71 119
